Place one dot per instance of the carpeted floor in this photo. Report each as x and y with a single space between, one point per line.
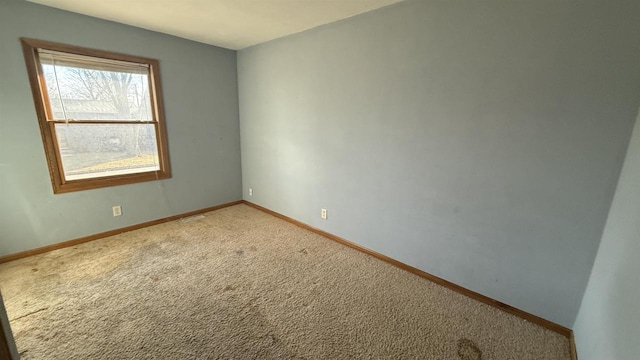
241 284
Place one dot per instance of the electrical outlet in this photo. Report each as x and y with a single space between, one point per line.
117 210
250 192
323 214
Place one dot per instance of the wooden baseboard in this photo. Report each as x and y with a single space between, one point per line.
572 347
457 288
84 239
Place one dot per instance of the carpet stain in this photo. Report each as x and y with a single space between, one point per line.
30 313
273 338
239 252
228 288
173 238
468 350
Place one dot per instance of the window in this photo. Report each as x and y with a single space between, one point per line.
100 115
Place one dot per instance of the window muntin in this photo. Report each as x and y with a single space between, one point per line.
100 115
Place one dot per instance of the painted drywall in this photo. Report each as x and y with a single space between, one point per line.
201 106
607 324
480 141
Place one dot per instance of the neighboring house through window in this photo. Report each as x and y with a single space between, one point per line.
100 114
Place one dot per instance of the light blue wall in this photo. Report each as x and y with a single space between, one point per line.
608 324
478 141
201 104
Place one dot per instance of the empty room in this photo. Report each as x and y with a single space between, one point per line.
320 179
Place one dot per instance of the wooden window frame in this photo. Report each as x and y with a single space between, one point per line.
47 123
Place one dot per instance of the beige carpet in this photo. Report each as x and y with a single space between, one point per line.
240 284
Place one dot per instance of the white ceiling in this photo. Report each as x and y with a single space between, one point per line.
233 24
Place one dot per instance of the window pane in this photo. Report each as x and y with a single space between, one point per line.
96 150
81 93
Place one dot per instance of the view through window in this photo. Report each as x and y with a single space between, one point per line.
99 114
